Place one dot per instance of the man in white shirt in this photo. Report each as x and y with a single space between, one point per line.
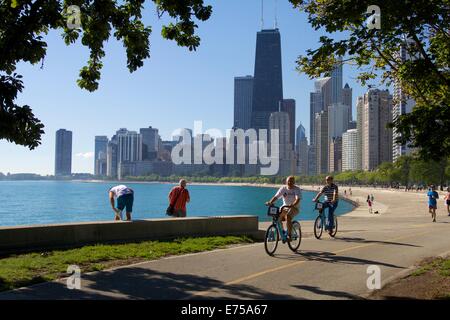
125 199
292 195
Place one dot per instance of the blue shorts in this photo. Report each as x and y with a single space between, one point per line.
125 202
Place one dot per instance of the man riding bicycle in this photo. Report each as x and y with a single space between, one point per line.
331 202
292 195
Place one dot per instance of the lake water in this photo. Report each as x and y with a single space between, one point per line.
43 202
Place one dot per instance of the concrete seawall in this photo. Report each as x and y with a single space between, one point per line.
27 238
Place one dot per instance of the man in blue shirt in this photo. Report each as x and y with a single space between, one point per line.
432 201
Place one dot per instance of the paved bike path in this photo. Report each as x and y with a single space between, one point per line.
323 269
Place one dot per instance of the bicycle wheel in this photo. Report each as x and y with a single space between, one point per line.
271 239
318 227
335 229
296 236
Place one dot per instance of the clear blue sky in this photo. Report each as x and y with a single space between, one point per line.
174 88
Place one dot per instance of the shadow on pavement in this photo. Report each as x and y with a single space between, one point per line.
362 240
329 257
140 283
335 294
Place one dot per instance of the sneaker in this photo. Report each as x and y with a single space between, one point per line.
434 220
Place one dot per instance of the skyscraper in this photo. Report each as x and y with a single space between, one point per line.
150 143
403 104
243 94
335 155
376 138
63 153
347 100
337 120
336 83
267 82
288 106
321 137
101 143
320 99
302 151
280 121
349 150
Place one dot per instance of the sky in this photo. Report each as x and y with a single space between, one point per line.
174 88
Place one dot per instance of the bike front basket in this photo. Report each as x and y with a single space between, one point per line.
273 211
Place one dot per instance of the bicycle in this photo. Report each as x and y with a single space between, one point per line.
272 236
320 221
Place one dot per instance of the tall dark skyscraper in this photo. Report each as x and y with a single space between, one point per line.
63 153
243 94
267 82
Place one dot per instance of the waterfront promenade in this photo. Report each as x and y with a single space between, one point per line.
395 239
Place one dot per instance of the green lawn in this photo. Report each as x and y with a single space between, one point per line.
26 269
439 264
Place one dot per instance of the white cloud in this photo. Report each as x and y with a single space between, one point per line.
85 155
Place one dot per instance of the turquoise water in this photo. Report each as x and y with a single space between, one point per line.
42 202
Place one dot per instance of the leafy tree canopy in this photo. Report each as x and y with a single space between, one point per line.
422 27
24 23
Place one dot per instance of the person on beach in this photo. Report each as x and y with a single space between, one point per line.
372 197
369 203
350 191
125 199
447 200
178 198
331 201
432 201
292 195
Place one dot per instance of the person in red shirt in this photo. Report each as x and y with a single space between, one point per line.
178 197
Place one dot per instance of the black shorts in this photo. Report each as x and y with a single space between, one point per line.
125 202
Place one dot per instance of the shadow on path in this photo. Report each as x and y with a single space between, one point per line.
140 283
362 240
335 294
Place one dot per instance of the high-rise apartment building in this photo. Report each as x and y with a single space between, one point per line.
347 100
335 155
63 153
349 150
150 143
376 138
101 144
243 94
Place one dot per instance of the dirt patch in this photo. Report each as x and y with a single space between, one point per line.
430 280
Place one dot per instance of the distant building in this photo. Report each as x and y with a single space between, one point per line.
376 138
349 150
129 149
268 81
320 99
321 137
403 104
347 100
336 83
352 125
301 150
335 155
281 122
101 144
288 106
150 143
63 153
312 160
243 94
337 120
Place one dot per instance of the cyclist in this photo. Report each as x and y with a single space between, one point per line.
331 201
292 195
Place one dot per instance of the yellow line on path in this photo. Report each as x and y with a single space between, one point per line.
261 273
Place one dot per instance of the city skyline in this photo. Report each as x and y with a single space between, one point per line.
173 81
